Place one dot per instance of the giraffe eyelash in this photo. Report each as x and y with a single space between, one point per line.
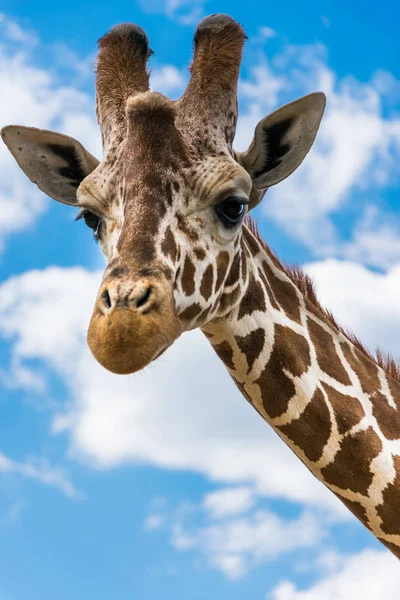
92 220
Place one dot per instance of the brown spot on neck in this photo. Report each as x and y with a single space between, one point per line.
327 357
253 298
290 353
250 241
351 468
234 271
225 353
363 367
191 312
284 292
389 511
222 266
311 431
251 345
347 409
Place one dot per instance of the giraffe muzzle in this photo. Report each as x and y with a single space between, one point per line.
132 325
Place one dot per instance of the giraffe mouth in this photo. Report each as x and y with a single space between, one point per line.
125 337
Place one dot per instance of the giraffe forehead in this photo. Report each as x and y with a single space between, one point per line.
159 165
160 146
214 175
151 186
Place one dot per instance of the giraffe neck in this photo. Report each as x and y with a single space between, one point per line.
325 397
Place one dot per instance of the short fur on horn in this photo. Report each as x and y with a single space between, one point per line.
212 89
121 73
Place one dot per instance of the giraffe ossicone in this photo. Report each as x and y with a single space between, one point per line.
168 205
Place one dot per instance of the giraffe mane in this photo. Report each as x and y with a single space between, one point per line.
306 286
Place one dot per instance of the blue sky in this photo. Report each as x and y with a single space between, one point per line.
166 482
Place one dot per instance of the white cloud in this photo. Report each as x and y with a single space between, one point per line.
357 150
364 301
185 12
168 80
32 96
263 88
375 240
32 311
41 471
153 522
14 512
12 32
236 545
370 574
229 501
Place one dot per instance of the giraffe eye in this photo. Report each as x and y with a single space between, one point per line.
92 221
231 211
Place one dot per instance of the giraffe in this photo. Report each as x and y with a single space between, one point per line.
169 206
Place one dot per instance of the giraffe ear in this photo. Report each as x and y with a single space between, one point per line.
282 140
57 163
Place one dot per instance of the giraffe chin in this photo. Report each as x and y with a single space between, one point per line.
124 341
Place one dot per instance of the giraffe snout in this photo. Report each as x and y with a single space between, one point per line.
132 323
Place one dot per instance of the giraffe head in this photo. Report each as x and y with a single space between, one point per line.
168 199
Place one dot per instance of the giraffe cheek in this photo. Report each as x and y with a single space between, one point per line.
125 341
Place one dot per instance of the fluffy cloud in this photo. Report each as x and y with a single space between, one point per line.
229 501
168 80
370 574
39 470
230 531
44 314
153 522
185 12
375 239
236 545
364 301
356 151
32 96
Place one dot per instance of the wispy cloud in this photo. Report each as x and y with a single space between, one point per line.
236 545
168 80
31 95
233 536
370 574
229 501
185 12
364 301
39 470
357 151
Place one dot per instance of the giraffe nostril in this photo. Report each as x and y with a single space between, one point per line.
106 298
143 298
